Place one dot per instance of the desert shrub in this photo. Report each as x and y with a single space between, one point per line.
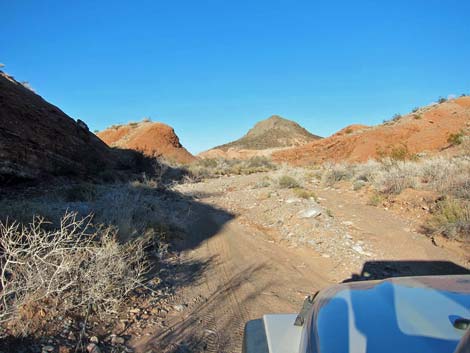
417 116
304 193
259 163
442 100
337 172
396 177
74 268
263 183
358 184
451 217
288 182
80 192
348 130
394 118
133 124
399 153
146 119
448 176
212 167
415 109
396 153
455 139
367 171
375 199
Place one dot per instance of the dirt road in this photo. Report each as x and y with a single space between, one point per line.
242 268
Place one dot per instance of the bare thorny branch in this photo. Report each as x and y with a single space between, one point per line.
77 267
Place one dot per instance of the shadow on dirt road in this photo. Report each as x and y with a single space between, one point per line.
377 270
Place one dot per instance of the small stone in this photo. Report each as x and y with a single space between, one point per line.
179 307
312 212
93 348
94 339
117 340
48 349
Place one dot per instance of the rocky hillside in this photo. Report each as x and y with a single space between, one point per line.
37 139
153 139
265 137
426 130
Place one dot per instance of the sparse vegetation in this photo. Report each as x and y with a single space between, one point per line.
288 182
375 199
442 100
304 193
394 119
358 184
398 177
335 173
455 139
75 268
415 109
395 152
417 116
451 217
448 177
212 167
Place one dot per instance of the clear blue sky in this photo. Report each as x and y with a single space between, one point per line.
211 69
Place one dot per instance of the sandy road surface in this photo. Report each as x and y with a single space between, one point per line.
241 269
246 277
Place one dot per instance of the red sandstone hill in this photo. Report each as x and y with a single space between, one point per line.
425 130
153 139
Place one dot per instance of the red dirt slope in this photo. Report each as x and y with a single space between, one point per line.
425 130
153 139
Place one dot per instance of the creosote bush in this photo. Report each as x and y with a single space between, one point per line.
75 268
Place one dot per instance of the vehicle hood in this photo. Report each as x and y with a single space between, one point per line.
414 314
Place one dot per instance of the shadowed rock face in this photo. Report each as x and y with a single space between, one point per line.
37 139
